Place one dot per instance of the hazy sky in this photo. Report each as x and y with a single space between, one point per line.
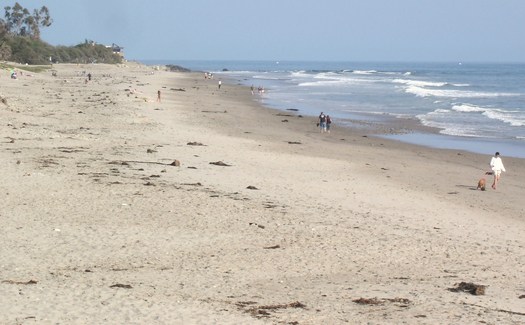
341 30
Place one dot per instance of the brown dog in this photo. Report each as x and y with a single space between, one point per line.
481 184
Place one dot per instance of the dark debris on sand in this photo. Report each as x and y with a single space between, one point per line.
474 289
219 163
377 301
264 311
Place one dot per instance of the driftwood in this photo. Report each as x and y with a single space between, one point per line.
377 301
474 289
127 162
255 224
20 282
219 163
214 111
263 311
120 285
192 184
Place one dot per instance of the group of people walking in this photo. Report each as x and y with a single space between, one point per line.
324 123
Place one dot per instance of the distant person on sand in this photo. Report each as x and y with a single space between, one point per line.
322 122
496 164
89 76
158 96
220 83
328 123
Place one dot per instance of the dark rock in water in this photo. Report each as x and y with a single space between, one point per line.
176 68
225 70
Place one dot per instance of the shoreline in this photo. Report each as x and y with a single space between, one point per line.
99 224
432 137
411 130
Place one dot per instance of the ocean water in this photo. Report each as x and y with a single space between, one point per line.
477 107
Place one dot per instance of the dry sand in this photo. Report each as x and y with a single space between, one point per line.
98 227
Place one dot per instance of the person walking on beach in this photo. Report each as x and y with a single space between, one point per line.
322 122
158 96
496 164
220 83
328 123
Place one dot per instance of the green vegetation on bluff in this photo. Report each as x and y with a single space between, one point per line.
20 41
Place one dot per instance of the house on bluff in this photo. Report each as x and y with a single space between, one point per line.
117 49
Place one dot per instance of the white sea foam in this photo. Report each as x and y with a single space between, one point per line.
437 119
299 74
318 83
467 108
463 132
333 82
440 111
419 83
327 75
365 72
269 78
329 79
505 117
512 117
450 93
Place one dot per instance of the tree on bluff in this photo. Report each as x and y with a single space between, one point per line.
20 41
20 22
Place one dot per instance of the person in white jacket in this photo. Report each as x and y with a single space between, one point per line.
496 164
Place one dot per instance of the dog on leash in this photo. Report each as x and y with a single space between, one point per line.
481 184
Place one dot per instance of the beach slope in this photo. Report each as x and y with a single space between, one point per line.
206 208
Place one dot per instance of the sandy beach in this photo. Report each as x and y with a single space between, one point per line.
206 208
